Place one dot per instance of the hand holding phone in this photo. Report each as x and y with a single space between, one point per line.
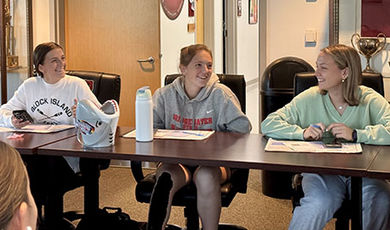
22 115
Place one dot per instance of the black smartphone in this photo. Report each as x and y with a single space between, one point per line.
22 115
331 142
333 145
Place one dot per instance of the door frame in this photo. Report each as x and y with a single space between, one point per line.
229 37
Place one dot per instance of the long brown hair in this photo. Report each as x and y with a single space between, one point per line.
13 183
347 57
188 52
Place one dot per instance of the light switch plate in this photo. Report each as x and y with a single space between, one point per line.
310 36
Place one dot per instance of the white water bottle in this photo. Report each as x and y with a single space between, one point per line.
144 115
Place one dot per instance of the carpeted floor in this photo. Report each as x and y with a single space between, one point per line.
252 210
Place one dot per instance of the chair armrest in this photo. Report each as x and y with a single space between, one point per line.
136 169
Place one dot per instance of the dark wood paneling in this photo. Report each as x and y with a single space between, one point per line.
3 68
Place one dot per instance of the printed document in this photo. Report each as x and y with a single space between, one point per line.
176 134
310 147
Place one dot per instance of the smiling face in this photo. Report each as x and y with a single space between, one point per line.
53 66
197 73
328 74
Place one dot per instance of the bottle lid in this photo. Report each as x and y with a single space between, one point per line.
144 93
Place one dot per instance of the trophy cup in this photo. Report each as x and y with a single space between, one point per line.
368 47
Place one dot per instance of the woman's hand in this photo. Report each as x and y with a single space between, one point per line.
74 107
340 130
18 123
314 132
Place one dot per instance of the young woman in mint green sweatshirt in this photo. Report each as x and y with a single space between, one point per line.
348 111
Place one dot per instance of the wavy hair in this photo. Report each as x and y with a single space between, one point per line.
347 57
13 183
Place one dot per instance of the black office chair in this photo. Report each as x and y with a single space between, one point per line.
277 89
105 86
303 81
187 195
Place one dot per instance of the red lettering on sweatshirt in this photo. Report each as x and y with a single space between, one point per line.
176 117
189 123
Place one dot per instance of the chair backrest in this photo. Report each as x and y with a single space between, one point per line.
235 82
105 86
280 73
303 81
238 86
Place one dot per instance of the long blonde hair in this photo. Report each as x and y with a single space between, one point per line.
347 57
13 183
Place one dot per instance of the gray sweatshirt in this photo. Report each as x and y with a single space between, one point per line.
215 107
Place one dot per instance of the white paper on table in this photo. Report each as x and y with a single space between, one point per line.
176 134
310 147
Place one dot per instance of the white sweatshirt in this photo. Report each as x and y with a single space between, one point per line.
48 103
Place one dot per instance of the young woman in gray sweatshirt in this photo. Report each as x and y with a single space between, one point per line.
195 101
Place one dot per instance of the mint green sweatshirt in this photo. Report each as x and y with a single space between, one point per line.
371 118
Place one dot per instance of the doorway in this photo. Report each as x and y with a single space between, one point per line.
113 37
229 37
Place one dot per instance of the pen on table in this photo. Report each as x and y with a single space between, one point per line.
196 134
316 126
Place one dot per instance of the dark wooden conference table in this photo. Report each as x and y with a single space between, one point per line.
231 150
380 167
30 142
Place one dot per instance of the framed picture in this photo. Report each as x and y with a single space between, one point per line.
253 11
375 17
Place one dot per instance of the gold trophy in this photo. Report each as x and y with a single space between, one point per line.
368 46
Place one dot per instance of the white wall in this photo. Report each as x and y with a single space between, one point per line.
43 21
213 19
287 22
174 36
247 45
